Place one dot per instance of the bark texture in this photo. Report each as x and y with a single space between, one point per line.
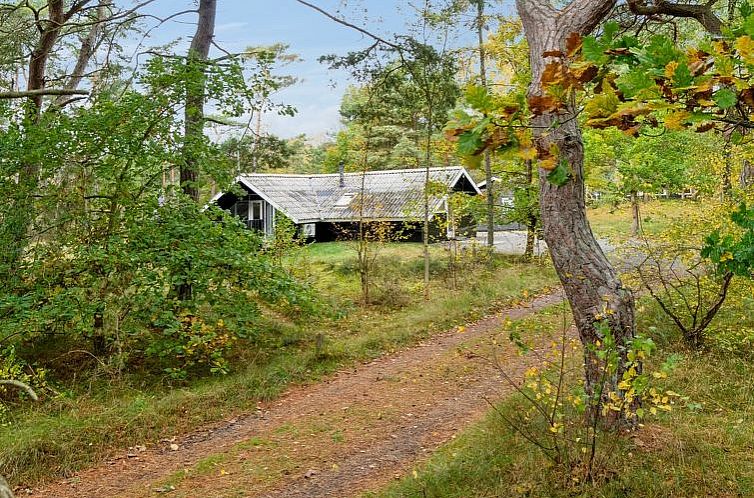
195 95
591 283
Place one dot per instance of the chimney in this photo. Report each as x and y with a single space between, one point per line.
341 172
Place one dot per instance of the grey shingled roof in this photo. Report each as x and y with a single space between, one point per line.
388 195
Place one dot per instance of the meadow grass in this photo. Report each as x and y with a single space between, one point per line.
96 416
614 223
702 447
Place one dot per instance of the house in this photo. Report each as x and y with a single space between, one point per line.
505 198
326 206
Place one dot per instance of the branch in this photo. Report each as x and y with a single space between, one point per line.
350 25
583 16
21 386
718 304
40 92
703 13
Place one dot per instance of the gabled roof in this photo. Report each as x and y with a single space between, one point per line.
388 195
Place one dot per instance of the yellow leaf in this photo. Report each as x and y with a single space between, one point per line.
527 154
744 45
674 121
548 163
670 69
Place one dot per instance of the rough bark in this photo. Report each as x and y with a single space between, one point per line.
703 13
591 283
195 96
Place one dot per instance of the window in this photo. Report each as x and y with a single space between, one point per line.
255 210
345 200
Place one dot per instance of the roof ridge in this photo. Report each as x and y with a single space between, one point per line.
350 173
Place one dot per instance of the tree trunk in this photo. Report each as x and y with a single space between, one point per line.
635 215
20 216
195 90
591 284
531 219
193 133
746 179
489 187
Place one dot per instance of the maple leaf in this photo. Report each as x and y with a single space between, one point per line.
670 69
573 44
554 74
541 104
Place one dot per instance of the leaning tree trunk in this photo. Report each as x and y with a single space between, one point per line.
591 284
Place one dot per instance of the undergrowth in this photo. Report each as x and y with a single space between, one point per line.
96 413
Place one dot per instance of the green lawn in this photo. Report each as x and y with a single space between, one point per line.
615 223
98 414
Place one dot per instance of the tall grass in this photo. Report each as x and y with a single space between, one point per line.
94 417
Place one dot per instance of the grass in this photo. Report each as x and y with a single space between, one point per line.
615 223
94 417
703 447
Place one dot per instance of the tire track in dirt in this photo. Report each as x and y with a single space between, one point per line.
353 432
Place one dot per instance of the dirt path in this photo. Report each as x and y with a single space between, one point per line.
351 433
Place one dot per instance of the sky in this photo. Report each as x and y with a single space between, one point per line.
244 23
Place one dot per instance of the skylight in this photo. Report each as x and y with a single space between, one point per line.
345 200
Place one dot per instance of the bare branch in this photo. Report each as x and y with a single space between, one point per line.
703 13
350 25
41 92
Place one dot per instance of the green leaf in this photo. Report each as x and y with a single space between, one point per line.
745 9
682 76
737 137
593 51
610 30
560 175
469 143
660 51
478 97
725 98
634 82
748 25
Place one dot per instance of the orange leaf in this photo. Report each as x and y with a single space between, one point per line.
573 44
553 74
552 53
541 104
585 74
